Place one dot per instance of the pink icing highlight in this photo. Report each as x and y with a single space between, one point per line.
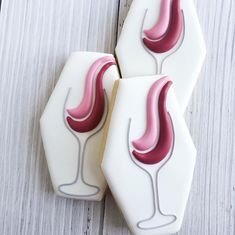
92 121
160 27
151 135
166 135
175 28
84 108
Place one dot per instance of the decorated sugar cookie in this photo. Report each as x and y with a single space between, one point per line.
72 124
163 37
149 156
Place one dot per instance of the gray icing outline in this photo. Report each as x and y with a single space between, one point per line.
155 189
81 152
159 67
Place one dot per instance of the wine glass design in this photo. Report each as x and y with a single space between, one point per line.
86 120
152 151
167 35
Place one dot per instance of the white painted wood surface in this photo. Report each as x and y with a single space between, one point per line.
36 37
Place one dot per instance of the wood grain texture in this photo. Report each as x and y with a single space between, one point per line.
36 38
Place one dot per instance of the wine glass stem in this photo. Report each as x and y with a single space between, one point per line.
160 66
159 63
155 195
79 174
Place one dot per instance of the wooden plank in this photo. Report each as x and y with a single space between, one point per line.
211 119
124 7
36 39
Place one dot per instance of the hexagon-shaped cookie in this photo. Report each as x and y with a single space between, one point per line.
72 125
149 156
179 54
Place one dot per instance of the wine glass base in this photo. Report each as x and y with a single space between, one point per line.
157 221
79 189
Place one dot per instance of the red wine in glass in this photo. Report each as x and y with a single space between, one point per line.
86 120
154 148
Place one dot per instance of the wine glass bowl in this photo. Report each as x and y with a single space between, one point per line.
79 185
158 218
169 43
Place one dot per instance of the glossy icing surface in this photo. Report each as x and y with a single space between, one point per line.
84 108
160 27
73 156
172 35
97 111
149 201
151 134
165 141
137 58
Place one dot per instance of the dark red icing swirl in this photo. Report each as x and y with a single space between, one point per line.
165 141
98 109
170 39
